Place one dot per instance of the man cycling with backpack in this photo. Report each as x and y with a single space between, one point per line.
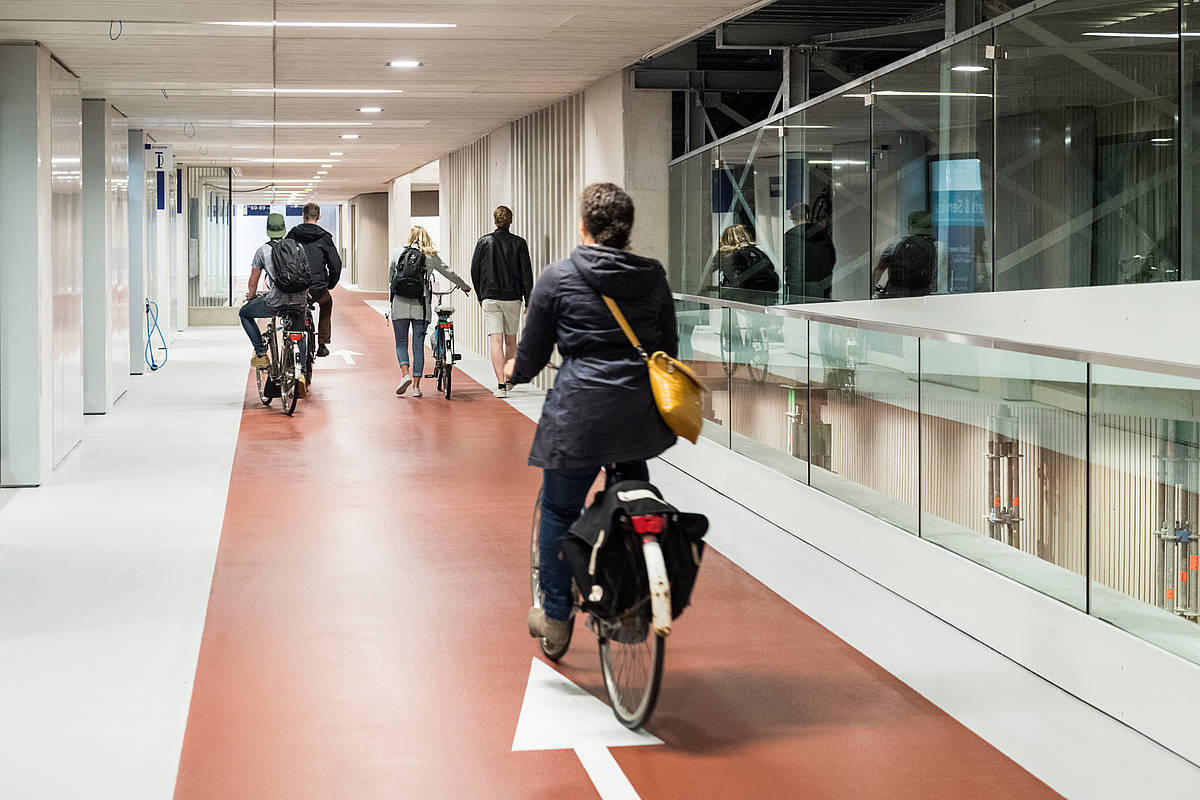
286 265
325 265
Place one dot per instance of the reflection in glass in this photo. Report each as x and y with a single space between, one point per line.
1003 463
702 331
1145 474
691 243
768 373
931 199
864 388
1087 181
746 219
827 194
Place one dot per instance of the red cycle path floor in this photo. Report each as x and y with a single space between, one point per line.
365 632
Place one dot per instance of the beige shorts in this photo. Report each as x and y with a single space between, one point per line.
502 316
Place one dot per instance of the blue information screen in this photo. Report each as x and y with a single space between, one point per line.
958 216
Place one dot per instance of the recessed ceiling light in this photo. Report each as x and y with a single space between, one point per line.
337 154
1161 140
279 160
256 124
404 64
326 166
278 24
370 109
968 68
319 91
322 172
349 135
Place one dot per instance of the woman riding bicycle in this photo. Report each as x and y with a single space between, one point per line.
414 314
601 410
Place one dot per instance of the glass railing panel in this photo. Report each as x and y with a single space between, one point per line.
827 189
1189 139
932 192
702 331
1004 463
1087 185
1145 489
768 371
691 242
747 231
864 403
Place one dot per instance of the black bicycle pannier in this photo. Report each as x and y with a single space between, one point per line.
606 559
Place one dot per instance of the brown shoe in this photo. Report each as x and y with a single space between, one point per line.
554 631
301 387
260 362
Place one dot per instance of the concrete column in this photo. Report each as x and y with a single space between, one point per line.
26 312
962 15
137 251
399 212
500 173
105 257
633 154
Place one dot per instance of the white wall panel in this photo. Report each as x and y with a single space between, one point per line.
105 245
67 257
26 355
118 262
137 214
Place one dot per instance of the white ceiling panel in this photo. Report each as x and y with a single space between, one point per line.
223 93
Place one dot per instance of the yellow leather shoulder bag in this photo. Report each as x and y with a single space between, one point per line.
677 390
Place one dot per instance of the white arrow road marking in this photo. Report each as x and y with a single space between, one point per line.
558 715
347 356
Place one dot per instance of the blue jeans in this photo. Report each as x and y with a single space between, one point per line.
564 491
400 328
255 309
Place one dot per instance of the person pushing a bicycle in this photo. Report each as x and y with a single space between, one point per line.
602 410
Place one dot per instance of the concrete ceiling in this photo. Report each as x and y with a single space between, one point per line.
191 80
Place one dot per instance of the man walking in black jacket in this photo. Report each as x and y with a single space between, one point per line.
326 266
503 277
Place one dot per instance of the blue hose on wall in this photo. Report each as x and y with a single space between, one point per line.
151 327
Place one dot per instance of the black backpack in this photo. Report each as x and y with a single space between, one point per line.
752 269
912 266
409 280
289 266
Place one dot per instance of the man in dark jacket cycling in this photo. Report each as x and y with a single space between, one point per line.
325 263
601 410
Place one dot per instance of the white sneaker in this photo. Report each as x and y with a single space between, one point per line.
404 384
500 393
416 391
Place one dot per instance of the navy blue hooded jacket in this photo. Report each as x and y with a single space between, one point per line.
601 410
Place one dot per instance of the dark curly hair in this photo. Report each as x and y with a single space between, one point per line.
607 212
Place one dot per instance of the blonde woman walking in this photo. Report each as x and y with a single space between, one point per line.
411 290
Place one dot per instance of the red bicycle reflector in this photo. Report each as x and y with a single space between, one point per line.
445 325
295 337
648 523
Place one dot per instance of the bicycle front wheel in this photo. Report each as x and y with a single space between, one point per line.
633 673
263 377
448 359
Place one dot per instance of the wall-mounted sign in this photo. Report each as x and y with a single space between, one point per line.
258 211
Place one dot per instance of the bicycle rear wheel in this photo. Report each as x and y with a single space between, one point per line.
287 380
633 672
